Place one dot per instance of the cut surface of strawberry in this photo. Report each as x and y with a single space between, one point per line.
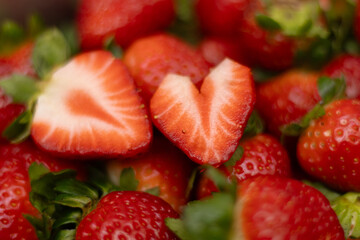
90 108
207 124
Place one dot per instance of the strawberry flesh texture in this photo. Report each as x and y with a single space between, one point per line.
15 187
89 109
207 124
287 98
164 166
127 215
272 207
263 155
347 67
329 148
126 20
150 59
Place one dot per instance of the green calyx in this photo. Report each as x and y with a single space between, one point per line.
329 90
210 218
293 19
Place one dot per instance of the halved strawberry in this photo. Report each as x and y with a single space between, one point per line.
90 108
207 124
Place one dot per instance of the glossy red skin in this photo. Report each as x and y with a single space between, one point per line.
15 187
286 98
348 67
127 215
151 58
263 155
329 148
270 207
164 166
127 20
271 50
209 12
216 49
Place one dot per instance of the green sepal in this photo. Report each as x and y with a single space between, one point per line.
128 181
101 182
37 223
347 208
73 201
111 46
11 35
75 187
223 183
68 217
35 25
331 89
65 234
262 75
19 129
235 157
254 126
328 193
210 218
153 191
191 182
51 49
21 88
267 22
71 35
36 171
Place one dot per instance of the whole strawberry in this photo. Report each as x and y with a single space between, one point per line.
151 58
127 215
125 20
15 187
329 148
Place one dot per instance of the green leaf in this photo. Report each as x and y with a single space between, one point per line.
70 33
191 182
262 75
254 126
347 208
100 181
177 226
128 181
51 49
209 219
11 33
329 194
111 46
331 89
35 25
65 234
21 88
19 129
267 22
72 201
221 181
75 187
153 191
235 157
72 216
37 170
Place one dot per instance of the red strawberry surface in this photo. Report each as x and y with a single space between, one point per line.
287 97
216 49
270 207
15 187
329 148
90 108
18 62
347 67
263 155
164 166
127 215
207 124
126 20
150 59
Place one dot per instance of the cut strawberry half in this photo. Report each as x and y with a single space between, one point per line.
207 124
90 108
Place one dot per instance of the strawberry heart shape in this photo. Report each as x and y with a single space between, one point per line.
90 109
207 124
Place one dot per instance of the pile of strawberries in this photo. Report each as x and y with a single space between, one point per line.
183 119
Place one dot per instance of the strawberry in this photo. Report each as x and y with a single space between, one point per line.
150 59
127 215
287 97
15 187
164 167
329 148
207 124
90 108
126 20
216 49
262 155
270 207
348 67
